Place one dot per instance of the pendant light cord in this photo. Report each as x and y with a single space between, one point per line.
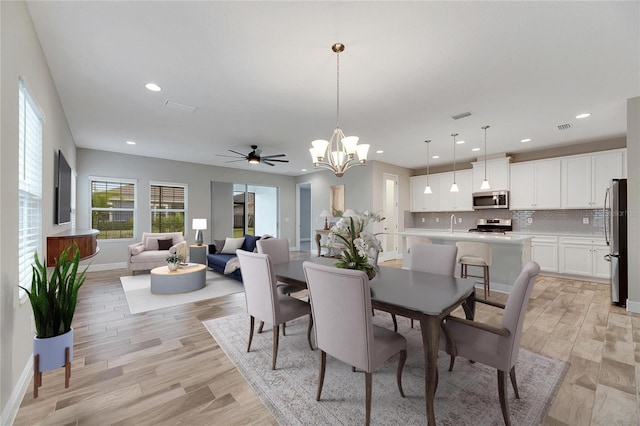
485 152
454 156
338 90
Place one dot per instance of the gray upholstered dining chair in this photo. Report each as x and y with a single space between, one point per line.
264 302
341 306
493 346
434 258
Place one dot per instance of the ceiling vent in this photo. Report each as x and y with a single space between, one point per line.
461 115
564 126
182 107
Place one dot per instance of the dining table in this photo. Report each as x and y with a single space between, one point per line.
421 296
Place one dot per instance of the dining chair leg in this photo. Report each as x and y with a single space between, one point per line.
323 365
368 383
252 321
284 325
395 322
461 270
403 359
260 327
487 283
502 392
276 332
411 322
514 382
309 331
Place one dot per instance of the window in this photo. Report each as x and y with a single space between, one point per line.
29 184
113 203
168 207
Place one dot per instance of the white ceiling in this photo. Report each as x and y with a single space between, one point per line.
263 73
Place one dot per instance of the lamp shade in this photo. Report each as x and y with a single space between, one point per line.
199 224
325 213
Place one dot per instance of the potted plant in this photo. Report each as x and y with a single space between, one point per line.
53 301
173 260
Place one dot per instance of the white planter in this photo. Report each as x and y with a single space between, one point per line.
172 266
52 351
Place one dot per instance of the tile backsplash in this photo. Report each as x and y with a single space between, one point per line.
542 221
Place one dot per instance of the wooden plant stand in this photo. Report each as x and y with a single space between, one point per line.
37 374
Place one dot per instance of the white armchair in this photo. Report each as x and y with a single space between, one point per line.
151 252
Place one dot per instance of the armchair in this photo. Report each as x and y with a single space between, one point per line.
152 250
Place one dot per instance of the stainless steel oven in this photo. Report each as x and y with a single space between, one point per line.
491 200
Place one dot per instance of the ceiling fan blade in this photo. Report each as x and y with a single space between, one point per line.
273 159
266 162
239 153
274 156
228 156
235 161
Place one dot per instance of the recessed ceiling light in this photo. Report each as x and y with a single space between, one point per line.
584 115
525 140
435 157
460 142
304 170
475 149
379 151
153 87
131 143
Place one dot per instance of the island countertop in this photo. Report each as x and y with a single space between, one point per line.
487 237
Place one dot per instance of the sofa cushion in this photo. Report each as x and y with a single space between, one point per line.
149 256
165 244
220 260
231 245
151 244
249 243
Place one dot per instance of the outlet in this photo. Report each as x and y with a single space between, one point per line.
423 220
529 220
459 220
437 219
585 220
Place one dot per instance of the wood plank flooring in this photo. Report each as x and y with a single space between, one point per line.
163 368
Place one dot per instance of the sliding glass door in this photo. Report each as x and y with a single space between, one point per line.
255 210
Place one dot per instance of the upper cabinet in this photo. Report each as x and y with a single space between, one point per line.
441 199
535 185
497 174
585 178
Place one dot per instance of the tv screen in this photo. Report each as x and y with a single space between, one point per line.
63 191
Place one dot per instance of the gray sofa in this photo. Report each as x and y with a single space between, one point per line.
151 252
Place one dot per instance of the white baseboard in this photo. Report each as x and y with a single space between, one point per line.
11 409
107 266
633 306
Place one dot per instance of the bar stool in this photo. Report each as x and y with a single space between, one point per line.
475 254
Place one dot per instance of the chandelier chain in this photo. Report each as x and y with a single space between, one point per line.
338 90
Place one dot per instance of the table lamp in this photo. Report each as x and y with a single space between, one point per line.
199 225
325 214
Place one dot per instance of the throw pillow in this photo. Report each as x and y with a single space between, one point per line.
165 244
151 243
249 243
231 245
219 245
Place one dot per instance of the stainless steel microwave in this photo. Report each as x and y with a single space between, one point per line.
491 200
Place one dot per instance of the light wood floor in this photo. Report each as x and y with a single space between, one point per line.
163 368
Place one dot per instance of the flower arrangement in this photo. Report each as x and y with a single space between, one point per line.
358 243
174 258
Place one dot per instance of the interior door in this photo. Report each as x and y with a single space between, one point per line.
389 237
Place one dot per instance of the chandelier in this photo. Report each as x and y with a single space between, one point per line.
339 152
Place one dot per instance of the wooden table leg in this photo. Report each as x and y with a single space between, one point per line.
469 307
67 367
430 327
36 376
318 238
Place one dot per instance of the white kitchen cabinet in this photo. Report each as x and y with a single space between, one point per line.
421 202
535 185
583 256
497 174
455 201
586 177
544 250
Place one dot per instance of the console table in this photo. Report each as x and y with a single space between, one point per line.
86 239
319 234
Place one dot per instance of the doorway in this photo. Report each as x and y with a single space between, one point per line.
390 212
304 219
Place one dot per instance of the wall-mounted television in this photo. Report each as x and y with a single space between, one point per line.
63 191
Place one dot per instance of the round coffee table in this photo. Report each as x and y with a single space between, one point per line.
186 278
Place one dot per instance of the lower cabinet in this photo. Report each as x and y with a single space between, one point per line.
583 256
544 250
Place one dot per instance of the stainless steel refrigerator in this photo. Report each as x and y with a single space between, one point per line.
615 233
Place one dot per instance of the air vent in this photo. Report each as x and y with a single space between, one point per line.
461 115
182 107
564 126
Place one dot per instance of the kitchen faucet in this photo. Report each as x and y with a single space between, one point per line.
453 221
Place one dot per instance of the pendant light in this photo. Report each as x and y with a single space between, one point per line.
485 182
454 185
427 189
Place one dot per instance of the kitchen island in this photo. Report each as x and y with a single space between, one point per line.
509 253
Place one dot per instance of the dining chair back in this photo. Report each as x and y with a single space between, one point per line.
263 300
341 306
434 258
276 248
493 346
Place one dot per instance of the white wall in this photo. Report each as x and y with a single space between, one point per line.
633 200
198 177
21 56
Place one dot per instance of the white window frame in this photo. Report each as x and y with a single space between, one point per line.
30 134
185 187
134 210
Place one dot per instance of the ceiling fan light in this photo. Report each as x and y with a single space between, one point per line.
362 150
349 143
254 160
485 185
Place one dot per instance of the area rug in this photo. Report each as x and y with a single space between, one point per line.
140 299
466 396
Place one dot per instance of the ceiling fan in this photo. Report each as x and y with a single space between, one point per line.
254 157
